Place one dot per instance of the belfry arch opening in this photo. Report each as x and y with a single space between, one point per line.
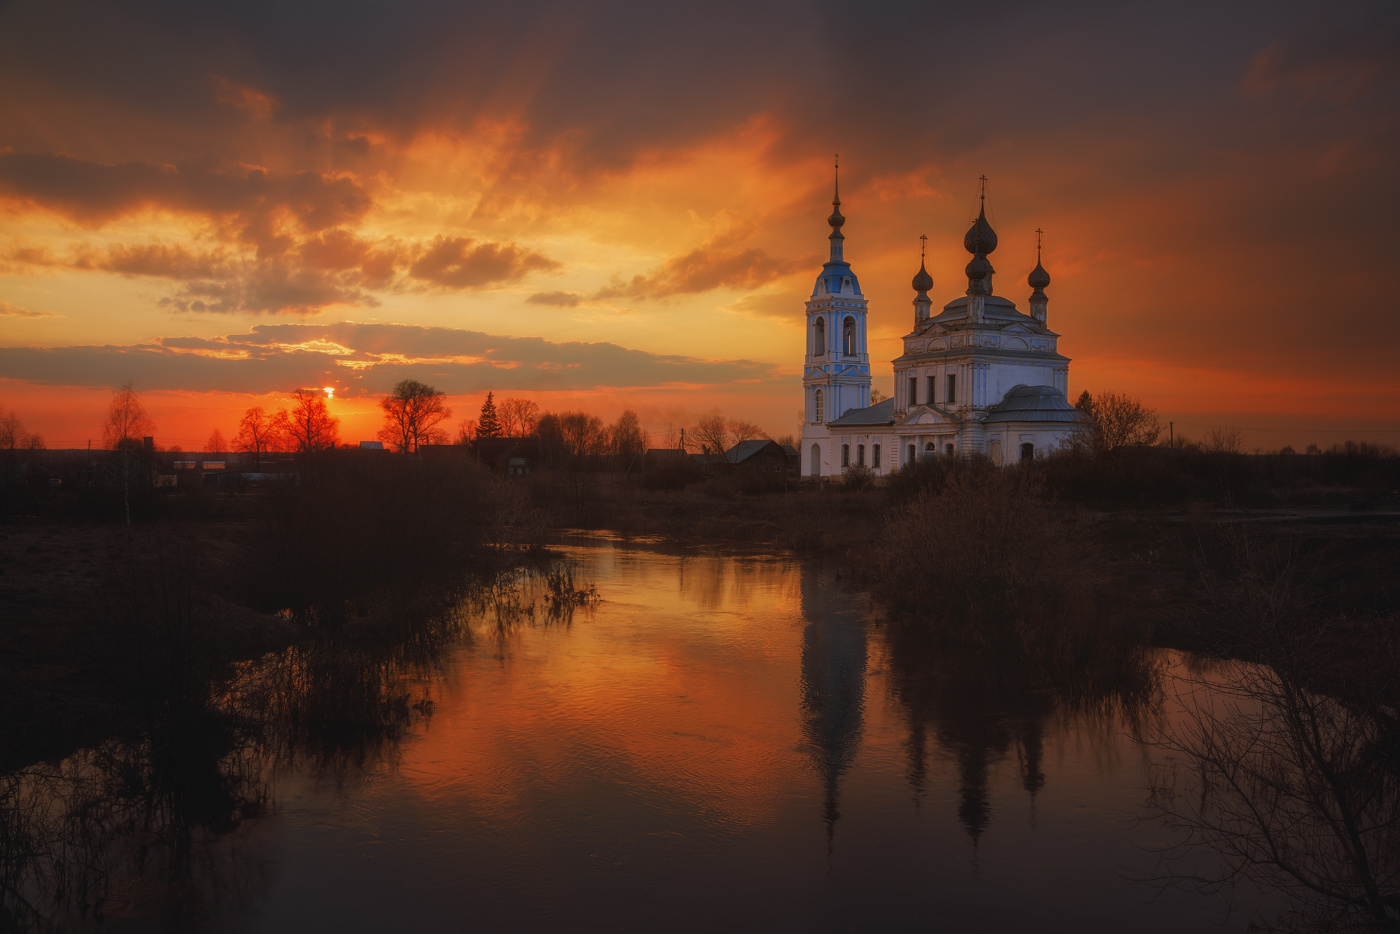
819 339
848 336
818 414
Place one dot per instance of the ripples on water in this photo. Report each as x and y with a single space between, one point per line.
723 742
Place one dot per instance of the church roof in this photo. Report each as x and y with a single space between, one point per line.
881 413
1034 404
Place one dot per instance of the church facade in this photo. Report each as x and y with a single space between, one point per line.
979 377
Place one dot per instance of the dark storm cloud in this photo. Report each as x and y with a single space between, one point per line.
711 266
329 268
563 299
93 192
276 358
460 263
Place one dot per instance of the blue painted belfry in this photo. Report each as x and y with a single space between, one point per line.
836 374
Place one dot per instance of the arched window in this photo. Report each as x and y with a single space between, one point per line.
912 454
819 339
875 457
816 460
994 452
929 450
819 415
948 449
845 455
1027 451
848 337
860 455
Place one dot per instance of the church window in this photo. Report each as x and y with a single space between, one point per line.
819 339
948 449
929 450
860 455
952 388
848 337
913 390
875 457
912 454
819 414
845 455
1027 451
930 390
816 460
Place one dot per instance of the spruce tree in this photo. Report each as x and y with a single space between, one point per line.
488 426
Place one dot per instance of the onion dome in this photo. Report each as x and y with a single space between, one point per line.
922 280
980 268
1039 278
980 237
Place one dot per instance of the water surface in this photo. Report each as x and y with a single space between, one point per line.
724 742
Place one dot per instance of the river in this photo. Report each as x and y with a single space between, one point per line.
720 742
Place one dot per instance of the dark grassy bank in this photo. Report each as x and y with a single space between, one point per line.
105 627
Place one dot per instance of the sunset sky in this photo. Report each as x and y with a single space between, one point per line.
621 205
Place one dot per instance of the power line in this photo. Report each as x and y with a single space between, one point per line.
1385 431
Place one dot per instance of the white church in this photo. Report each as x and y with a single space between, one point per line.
979 377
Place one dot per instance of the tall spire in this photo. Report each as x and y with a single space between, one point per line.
836 220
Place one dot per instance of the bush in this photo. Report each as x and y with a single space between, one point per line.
988 562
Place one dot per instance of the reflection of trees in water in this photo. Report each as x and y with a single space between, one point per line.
833 684
128 827
147 827
977 709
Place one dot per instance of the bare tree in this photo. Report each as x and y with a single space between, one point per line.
877 395
216 443
628 441
712 433
13 437
744 431
308 427
519 417
256 434
466 432
126 425
1117 421
1295 789
1224 441
412 413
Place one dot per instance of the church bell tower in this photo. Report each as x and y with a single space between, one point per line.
836 373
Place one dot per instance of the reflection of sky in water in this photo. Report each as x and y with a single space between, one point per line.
724 743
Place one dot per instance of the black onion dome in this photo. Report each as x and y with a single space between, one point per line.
922 280
836 220
980 237
979 268
1039 278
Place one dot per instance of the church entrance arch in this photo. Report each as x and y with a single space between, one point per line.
816 460
929 450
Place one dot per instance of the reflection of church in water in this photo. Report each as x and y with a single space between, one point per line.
972 713
979 377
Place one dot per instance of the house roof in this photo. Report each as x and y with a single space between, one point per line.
1034 404
881 413
746 449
